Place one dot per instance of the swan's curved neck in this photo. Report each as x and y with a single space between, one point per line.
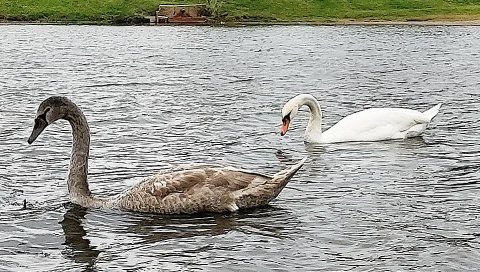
77 175
314 127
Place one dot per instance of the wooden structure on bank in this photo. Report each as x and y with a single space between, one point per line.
181 14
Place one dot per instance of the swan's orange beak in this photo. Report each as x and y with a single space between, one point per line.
285 124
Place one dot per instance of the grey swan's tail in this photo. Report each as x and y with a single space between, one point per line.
264 193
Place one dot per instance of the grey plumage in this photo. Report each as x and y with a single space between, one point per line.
200 189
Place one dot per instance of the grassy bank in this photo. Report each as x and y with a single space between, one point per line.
331 10
106 11
133 11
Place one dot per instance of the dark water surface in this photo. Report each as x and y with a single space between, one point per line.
158 97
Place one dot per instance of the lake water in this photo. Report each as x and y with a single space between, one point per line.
159 97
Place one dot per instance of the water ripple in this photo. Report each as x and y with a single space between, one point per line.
157 98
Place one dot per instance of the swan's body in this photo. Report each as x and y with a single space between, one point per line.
375 124
203 189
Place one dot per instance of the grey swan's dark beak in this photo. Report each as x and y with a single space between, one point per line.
40 125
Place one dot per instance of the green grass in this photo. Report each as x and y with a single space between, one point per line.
132 11
78 10
332 10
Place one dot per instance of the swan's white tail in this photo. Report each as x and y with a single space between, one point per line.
433 111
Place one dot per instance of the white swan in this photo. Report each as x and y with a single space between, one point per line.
375 124
193 190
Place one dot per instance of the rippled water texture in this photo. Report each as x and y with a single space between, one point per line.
158 97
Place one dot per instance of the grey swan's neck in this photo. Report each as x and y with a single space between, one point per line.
77 177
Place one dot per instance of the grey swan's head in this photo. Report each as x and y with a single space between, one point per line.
49 111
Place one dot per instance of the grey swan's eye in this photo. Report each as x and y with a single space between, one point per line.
40 118
43 116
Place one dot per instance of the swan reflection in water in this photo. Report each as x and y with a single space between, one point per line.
353 156
392 146
152 228
78 248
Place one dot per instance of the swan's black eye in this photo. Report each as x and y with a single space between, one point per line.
286 118
43 116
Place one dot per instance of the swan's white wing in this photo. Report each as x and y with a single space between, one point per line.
377 124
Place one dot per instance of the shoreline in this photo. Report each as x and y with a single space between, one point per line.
344 22
369 23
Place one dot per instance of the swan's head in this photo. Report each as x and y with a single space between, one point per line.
290 109
49 111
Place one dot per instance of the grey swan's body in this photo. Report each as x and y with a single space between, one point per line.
214 189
